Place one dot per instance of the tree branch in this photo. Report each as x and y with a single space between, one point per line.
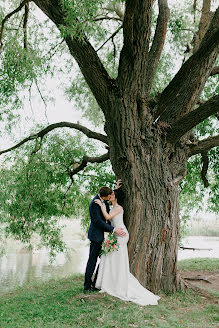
43 100
66 192
134 54
215 71
205 19
107 18
25 24
95 74
181 95
23 3
53 50
157 45
205 161
86 160
42 133
111 37
190 120
204 145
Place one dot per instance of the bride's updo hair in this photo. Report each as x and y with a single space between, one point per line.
120 196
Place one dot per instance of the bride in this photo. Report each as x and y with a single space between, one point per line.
114 276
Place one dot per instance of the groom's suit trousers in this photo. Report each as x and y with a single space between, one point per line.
95 248
96 235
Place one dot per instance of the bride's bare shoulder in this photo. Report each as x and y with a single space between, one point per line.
120 208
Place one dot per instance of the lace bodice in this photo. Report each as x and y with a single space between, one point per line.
117 221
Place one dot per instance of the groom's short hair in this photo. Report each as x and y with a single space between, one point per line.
105 191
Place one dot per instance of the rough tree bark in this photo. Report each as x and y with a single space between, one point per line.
151 170
147 150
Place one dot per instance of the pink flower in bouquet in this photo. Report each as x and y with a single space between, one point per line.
109 245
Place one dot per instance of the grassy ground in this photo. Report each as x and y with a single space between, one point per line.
61 304
207 264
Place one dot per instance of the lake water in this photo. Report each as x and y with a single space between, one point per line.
19 266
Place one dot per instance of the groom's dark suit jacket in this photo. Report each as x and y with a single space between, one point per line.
98 223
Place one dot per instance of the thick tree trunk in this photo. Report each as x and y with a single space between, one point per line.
151 170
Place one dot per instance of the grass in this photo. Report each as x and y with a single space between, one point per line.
61 304
208 264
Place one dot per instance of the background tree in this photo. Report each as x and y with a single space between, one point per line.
148 129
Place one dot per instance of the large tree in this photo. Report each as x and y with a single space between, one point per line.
148 137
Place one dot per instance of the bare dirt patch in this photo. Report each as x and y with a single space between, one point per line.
202 278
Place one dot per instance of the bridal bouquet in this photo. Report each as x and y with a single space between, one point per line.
109 245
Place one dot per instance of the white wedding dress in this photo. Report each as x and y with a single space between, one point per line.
114 276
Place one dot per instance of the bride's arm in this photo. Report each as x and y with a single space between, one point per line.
108 216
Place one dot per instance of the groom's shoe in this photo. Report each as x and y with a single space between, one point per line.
90 290
94 289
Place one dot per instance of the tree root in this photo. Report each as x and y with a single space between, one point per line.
202 292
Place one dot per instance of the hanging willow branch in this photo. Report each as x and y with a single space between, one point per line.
23 3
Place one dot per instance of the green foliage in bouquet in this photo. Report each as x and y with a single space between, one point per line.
110 244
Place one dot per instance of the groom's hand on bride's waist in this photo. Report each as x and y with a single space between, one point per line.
119 232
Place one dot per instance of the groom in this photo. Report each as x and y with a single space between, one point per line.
96 235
